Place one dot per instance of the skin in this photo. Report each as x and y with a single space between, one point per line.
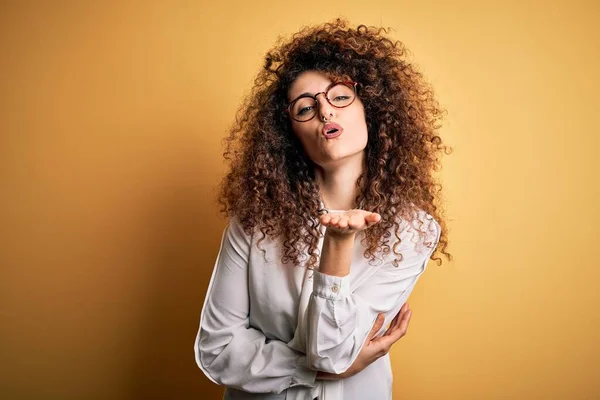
339 162
375 346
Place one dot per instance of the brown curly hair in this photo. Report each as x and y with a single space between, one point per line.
271 183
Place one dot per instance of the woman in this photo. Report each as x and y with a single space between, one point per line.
332 220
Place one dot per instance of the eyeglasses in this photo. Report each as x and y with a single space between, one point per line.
338 94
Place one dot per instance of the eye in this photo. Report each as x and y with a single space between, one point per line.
304 110
341 98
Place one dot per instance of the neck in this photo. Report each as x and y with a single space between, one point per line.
337 184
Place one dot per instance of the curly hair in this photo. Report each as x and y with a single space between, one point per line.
271 183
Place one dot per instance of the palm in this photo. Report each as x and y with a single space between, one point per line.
351 221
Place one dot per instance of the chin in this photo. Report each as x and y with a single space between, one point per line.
338 160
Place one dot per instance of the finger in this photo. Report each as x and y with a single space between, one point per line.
394 322
403 327
397 319
397 331
373 218
343 222
406 308
376 326
384 343
392 325
325 219
355 222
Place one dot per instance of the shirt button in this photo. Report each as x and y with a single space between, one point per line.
335 288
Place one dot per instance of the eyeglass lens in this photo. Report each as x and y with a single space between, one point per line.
340 95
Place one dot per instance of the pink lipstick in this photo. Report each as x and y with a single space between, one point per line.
331 130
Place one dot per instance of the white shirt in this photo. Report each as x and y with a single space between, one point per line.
267 327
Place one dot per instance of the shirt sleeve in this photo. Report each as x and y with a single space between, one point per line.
227 349
339 319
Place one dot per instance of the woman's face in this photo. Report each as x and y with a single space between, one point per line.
325 150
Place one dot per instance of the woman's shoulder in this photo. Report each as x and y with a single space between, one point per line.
236 233
419 230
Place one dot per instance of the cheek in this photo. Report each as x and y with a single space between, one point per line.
296 129
302 133
358 113
360 122
302 129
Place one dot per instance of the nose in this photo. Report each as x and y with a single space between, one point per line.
325 109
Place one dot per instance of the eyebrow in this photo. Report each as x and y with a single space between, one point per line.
306 94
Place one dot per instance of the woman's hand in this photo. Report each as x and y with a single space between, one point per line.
375 347
349 222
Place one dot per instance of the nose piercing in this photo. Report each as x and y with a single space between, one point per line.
325 118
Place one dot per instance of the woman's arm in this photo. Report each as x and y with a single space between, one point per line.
375 346
340 320
227 349
336 254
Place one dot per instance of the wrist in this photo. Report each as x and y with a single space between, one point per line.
327 376
336 254
339 238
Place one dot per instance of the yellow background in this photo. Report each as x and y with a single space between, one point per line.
111 121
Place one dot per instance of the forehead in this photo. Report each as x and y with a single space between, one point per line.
311 82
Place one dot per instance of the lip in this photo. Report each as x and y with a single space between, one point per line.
329 126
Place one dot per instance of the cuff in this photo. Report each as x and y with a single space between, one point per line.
331 287
303 376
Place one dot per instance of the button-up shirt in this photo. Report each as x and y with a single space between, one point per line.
267 327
